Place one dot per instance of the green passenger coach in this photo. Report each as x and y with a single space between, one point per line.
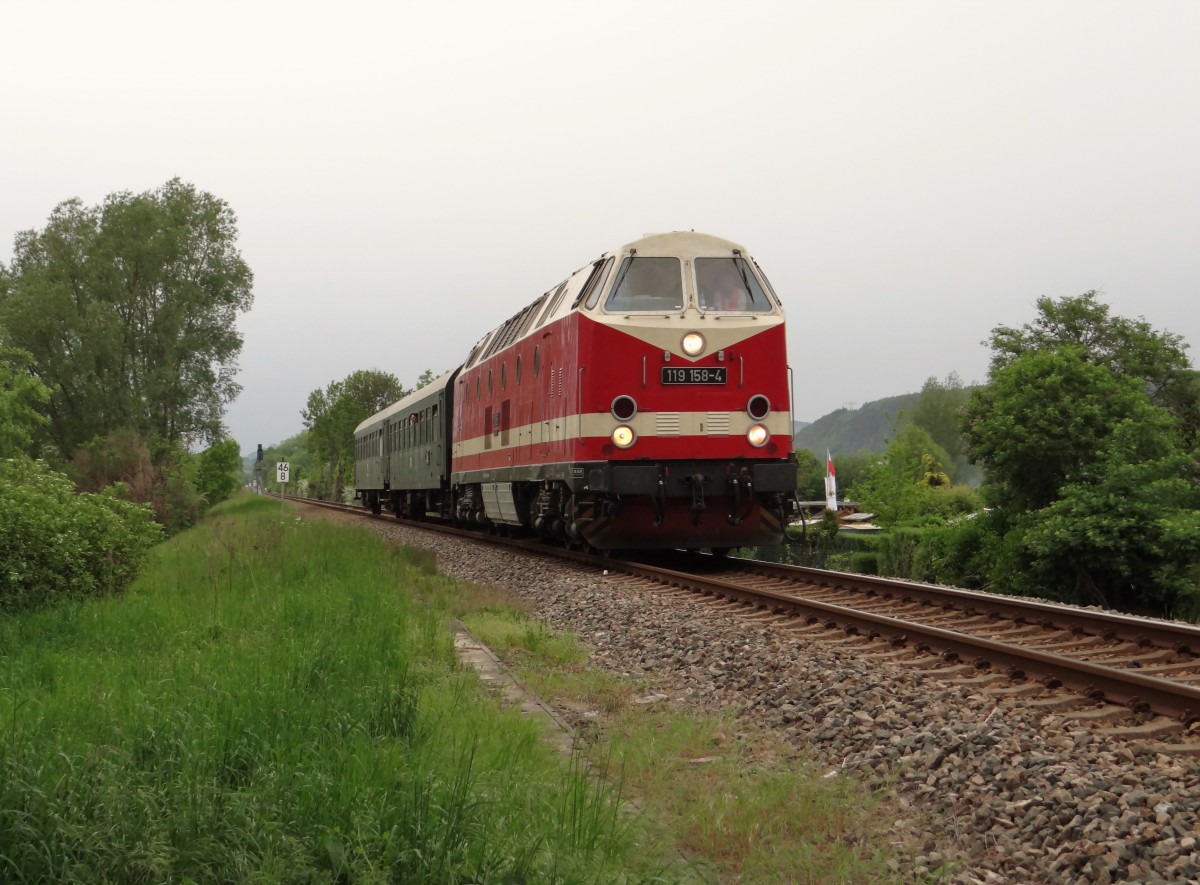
402 454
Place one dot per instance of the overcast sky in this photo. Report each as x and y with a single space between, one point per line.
909 175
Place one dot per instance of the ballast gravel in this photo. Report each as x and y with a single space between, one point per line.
991 790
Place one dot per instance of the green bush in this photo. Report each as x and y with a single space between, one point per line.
897 550
960 553
865 563
219 471
56 544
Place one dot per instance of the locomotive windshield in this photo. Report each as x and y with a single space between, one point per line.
647 284
728 284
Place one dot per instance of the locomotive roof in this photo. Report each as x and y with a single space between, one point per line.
683 243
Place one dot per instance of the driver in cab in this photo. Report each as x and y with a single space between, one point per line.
721 286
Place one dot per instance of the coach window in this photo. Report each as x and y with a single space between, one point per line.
504 376
537 361
651 285
478 394
518 369
489 382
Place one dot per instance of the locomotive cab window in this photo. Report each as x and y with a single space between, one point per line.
729 285
650 285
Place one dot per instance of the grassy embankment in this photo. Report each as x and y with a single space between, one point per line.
280 701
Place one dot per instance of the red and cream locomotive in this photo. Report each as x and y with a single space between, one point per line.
641 403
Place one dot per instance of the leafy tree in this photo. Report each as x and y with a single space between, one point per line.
1041 420
1086 432
852 469
331 416
910 495
22 401
1103 539
1126 348
177 502
129 310
810 476
219 471
938 412
907 486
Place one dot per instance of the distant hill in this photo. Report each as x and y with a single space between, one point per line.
853 430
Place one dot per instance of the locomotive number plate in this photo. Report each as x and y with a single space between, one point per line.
694 375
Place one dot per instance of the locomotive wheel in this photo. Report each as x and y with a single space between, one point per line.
568 516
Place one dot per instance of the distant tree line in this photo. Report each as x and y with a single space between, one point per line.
118 351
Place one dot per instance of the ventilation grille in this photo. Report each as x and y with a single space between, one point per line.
667 424
716 423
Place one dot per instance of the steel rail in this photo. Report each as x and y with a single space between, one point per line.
1183 638
1138 692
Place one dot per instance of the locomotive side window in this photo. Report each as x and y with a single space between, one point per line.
729 284
594 285
647 284
770 289
551 305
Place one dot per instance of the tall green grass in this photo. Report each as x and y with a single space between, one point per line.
269 703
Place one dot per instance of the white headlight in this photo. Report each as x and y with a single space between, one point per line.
758 435
623 436
693 344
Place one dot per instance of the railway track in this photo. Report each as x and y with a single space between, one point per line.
1138 675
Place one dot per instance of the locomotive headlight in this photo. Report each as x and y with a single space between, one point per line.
758 435
693 344
623 436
